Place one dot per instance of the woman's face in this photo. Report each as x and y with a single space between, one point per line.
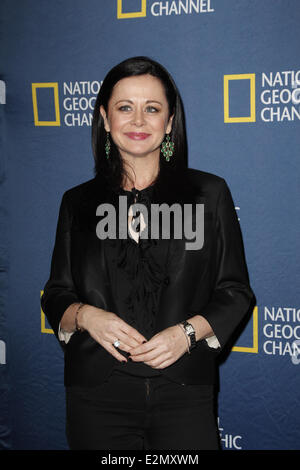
138 116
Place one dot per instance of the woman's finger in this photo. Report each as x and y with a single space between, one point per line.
148 352
126 342
117 326
107 344
114 352
133 334
162 365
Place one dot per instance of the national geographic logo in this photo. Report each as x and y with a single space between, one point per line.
54 104
241 79
138 8
44 327
134 14
269 96
251 348
69 104
281 332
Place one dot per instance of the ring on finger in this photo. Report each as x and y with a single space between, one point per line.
117 343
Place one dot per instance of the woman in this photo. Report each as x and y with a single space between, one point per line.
142 319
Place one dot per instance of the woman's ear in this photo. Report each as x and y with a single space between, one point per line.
103 114
169 125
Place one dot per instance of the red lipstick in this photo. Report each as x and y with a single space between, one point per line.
137 135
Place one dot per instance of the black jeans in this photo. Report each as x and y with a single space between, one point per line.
136 413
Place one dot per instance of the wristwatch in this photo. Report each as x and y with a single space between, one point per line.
189 330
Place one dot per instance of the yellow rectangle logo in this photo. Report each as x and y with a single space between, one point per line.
254 347
134 14
246 76
44 329
37 121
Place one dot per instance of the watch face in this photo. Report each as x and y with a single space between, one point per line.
189 329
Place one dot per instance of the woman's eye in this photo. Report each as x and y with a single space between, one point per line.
151 109
125 108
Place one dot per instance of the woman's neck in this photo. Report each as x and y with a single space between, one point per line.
140 175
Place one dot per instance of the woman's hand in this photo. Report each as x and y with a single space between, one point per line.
163 349
106 327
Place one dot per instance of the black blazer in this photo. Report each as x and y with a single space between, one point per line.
212 281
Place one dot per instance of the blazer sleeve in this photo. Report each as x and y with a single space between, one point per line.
232 298
59 291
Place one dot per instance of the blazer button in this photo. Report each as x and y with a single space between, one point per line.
167 281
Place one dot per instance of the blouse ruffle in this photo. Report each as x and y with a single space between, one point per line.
142 267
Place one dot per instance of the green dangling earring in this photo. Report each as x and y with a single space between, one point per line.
107 146
167 148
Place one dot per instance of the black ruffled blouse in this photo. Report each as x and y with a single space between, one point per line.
137 273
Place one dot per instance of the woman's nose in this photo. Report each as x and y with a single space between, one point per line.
138 117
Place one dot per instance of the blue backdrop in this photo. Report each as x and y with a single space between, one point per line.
236 63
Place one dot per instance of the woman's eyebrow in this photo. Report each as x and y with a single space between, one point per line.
130 101
121 101
153 101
